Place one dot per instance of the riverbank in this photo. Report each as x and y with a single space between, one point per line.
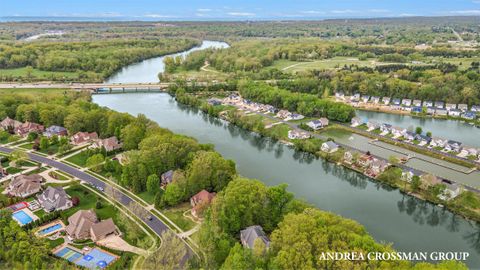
466 204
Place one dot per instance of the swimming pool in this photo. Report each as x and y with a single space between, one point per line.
50 229
22 217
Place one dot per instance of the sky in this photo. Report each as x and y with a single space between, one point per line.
235 9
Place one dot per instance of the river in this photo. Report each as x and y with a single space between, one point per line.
388 215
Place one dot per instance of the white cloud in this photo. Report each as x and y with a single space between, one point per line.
204 10
157 16
312 12
466 12
407 14
379 10
343 11
241 14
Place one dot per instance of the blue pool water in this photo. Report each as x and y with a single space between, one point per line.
96 259
50 229
22 217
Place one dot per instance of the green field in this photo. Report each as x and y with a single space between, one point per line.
31 90
79 159
35 73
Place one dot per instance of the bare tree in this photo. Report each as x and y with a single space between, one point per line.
170 256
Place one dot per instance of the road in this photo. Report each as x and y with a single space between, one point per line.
83 85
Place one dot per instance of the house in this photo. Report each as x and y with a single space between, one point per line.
9 124
430 110
54 199
200 200
417 109
475 108
409 136
295 116
55 130
417 103
463 107
427 103
386 100
377 167
450 106
83 137
372 125
385 128
339 95
453 146
297 134
329 147
468 151
406 102
375 100
398 132
469 115
214 102
407 176
438 142
454 112
25 185
249 235
110 144
422 139
439 104
451 191
348 157
166 178
407 108
24 129
441 112
84 224
365 160
365 98
396 101
318 124
356 97
282 114
356 121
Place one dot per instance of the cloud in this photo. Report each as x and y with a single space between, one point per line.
204 10
149 15
343 11
466 12
379 10
313 12
407 15
241 14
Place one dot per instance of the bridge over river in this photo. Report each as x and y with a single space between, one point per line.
94 87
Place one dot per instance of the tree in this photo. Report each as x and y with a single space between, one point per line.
239 258
418 130
429 134
18 156
170 255
32 136
153 183
44 143
94 161
98 205
159 202
416 182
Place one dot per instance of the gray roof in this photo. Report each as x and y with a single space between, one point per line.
53 198
331 144
250 234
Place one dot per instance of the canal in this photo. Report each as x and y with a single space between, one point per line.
388 215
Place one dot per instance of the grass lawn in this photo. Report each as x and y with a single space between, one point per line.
176 215
88 200
39 170
55 243
79 159
30 90
35 73
279 131
58 176
13 170
52 149
147 196
27 146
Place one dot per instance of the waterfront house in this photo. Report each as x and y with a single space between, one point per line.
81 138
438 142
385 128
201 200
441 112
409 136
9 124
452 145
214 102
365 160
339 95
454 112
297 134
406 102
54 199
318 124
427 103
451 191
463 107
417 109
329 147
28 127
377 167
375 100
283 114
356 121
407 176
422 139
469 115
417 103
475 108
430 110
398 132
84 224
25 185
295 116
365 98
249 235
356 97
386 100
372 125
468 151
110 144
450 106
407 108
439 104
166 178
396 101
348 157
55 131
